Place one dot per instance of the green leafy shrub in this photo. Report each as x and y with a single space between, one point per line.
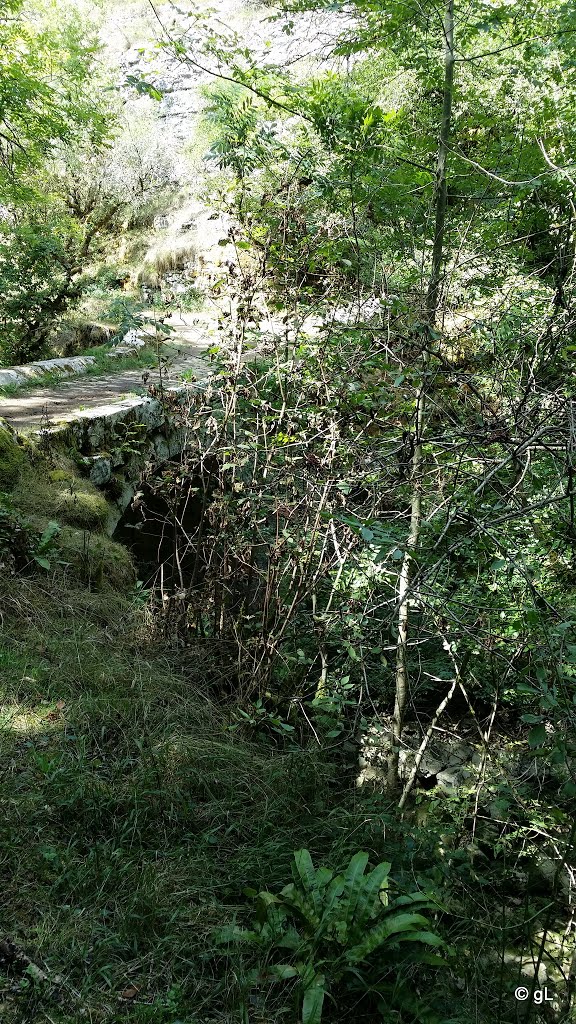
334 925
11 458
264 722
123 311
110 276
17 541
36 270
46 546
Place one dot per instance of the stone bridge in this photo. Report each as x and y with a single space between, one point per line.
115 443
116 424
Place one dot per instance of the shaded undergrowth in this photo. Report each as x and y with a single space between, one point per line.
131 818
141 808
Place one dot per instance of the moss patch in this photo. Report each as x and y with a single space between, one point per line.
61 475
81 508
63 496
94 561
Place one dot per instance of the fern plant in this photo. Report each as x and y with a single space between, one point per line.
333 925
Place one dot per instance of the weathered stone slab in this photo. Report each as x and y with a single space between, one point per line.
116 440
65 367
100 470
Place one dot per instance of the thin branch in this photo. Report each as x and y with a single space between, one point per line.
421 749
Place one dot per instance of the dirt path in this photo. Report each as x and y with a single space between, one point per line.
179 111
41 406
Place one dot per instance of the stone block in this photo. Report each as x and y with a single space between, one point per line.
66 367
100 470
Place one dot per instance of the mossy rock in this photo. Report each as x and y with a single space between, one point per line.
11 457
81 508
59 475
63 496
95 561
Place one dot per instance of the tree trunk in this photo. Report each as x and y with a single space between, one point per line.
417 473
433 293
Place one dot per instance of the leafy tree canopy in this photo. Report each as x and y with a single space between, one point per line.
48 89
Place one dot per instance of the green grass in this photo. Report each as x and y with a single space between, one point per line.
131 819
62 495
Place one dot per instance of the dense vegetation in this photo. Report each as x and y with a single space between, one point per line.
319 764
73 174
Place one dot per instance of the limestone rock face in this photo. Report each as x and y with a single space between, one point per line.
447 763
132 339
100 471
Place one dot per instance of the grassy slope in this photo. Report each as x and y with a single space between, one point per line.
131 819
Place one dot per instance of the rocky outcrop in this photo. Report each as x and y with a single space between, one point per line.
448 763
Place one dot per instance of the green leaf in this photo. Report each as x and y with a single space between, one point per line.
373 883
414 899
303 903
283 971
537 736
305 870
382 932
271 910
354 884
143 87
290 940
331 906
164 328
51 531
429 958
313 1001
427 937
